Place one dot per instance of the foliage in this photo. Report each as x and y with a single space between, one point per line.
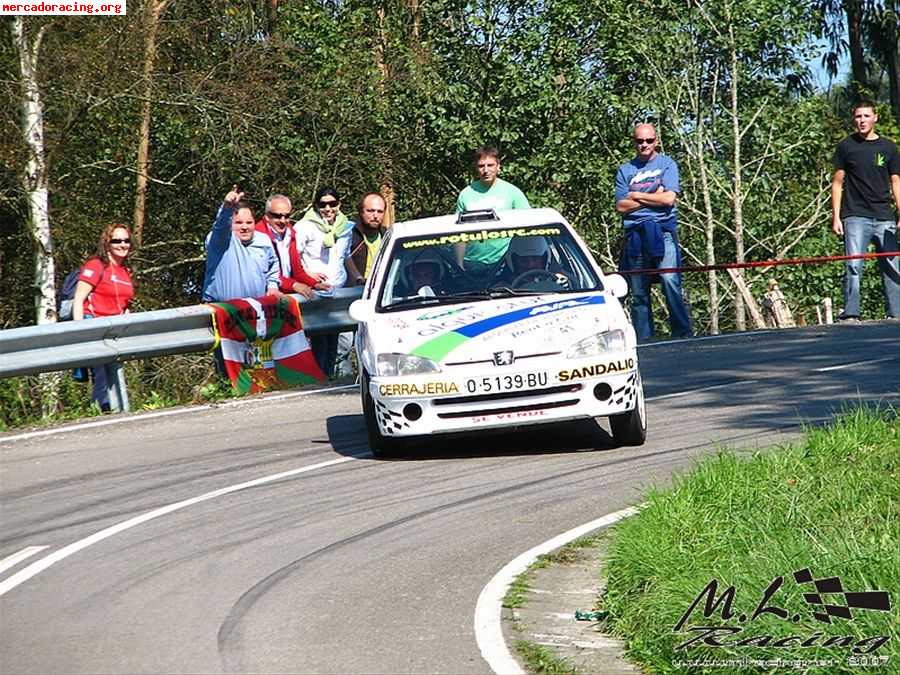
152 384
828 503
541 660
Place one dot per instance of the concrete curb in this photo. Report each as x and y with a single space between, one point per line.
547 617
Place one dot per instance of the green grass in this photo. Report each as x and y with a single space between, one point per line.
830 503
515 594
542 660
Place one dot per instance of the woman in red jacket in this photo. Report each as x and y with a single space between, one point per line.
105 289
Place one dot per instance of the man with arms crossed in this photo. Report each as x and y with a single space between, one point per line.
646 190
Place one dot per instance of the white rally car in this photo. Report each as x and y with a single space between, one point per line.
483 320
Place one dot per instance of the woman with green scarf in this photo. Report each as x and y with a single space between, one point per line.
323 241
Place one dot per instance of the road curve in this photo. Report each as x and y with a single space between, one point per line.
278 544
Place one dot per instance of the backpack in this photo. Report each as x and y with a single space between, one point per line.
67 295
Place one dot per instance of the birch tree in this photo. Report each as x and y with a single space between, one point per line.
35 179
35 182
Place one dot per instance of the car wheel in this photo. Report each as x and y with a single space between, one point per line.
380 445
631 428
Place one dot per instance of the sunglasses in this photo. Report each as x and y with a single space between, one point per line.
278 216
120 241
644 141
328 205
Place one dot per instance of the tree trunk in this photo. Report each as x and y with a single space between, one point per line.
387 193
380 55
35 181
153 10
272 19
894 81
889 48
854 12
747 297
737 196
709 229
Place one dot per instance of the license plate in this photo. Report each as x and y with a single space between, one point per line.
495 384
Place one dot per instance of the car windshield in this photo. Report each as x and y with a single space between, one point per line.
477 264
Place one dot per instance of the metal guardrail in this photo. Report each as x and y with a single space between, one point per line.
112 340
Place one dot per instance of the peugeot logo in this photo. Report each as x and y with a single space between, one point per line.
504 358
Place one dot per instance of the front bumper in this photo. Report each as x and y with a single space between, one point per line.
453 402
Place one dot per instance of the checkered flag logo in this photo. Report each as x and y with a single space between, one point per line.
832 587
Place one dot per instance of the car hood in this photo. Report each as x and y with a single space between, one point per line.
471 332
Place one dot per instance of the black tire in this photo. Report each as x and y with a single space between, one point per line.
631 428
380 445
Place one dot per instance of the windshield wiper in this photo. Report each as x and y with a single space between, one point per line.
505 292
415 300
449 298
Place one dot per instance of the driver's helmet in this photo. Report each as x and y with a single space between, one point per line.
425 269
526 254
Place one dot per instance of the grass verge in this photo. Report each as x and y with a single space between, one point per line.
515 594
830 504
542 660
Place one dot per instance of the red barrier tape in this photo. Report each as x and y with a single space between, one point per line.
761 263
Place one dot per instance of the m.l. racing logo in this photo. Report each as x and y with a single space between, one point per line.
826 597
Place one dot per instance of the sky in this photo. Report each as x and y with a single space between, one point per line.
818 70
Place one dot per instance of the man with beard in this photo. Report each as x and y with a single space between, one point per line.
365 241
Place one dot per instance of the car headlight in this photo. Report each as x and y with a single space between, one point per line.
594 345
404 364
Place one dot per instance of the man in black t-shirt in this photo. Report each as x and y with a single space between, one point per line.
866 180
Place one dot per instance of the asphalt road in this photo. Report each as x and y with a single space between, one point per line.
347 564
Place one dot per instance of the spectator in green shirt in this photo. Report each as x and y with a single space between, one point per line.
489 191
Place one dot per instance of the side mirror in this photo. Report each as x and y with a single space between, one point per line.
616 285
362 311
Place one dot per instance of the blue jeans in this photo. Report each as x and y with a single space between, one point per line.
324 348
101 378
858 233
641 312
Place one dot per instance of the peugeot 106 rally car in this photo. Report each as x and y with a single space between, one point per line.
483 320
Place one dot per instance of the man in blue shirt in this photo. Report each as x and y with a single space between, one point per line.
646 190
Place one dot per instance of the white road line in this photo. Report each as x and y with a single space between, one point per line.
80 426
702 338
141 417
488 610
39 566
857 363
16 558
236 402
694 391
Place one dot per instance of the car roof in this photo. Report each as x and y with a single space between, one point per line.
505 219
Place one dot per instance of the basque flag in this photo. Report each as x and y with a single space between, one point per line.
263 343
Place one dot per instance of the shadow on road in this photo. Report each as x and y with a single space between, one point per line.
347 435
774 379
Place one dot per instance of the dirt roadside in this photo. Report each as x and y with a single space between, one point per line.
547 616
